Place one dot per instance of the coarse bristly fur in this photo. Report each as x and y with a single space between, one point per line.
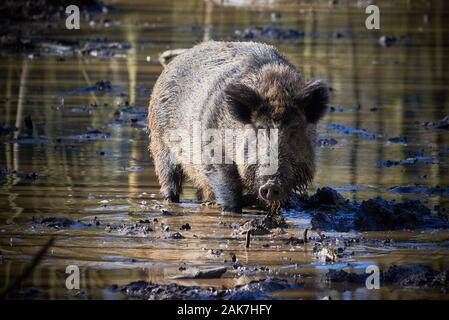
235 85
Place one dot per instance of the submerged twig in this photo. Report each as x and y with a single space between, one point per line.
28 270
248 238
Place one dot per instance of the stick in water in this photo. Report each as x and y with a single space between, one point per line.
305 235
248 238
28 270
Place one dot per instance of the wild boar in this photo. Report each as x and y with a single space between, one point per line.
234 87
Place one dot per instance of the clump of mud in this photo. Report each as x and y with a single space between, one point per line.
268 32
257 289
263 225
24 21
407 276
331 211
7 130
14 174
13 11
440 124
140 229
63 222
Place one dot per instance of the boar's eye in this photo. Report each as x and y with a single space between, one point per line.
313 100
242 100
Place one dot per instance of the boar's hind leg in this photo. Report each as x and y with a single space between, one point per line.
227 187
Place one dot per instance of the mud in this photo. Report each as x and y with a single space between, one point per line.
6 174
344 129
406 276
61 222
263 225
420 189
41 15
440 124
257 289
409 161
195 273
46 10
272 32
331 211
7 130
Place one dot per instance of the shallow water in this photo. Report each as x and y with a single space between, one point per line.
108 174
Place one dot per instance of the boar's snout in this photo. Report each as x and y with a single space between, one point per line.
270 192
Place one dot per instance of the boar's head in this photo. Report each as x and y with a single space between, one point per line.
280 99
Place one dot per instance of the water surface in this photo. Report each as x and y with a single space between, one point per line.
91 162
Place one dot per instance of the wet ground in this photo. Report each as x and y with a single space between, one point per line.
74 160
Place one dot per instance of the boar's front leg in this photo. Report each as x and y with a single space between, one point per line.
227 187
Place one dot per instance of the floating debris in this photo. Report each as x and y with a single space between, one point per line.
196 273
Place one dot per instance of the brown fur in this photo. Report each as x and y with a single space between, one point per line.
228 85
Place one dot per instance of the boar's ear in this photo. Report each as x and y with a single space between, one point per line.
242 101
313 100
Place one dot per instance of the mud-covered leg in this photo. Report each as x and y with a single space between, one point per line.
227 187
171 185
169 173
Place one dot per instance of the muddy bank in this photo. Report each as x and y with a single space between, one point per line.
48 11
407 276
6 174
331 211
24 22
258 289
420 189
439 124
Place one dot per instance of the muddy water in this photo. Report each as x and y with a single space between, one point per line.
91 164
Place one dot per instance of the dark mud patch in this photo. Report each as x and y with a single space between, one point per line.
399 140
257 289
101 86
141 229
271 32
195 273
28 293
276 31
409 161
440 124
263 225
7 130
325 142
130 116
12 11
344 129
89 135
30 140
100 48
6 174
60 222
420 189
23 20
406 276
331 211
